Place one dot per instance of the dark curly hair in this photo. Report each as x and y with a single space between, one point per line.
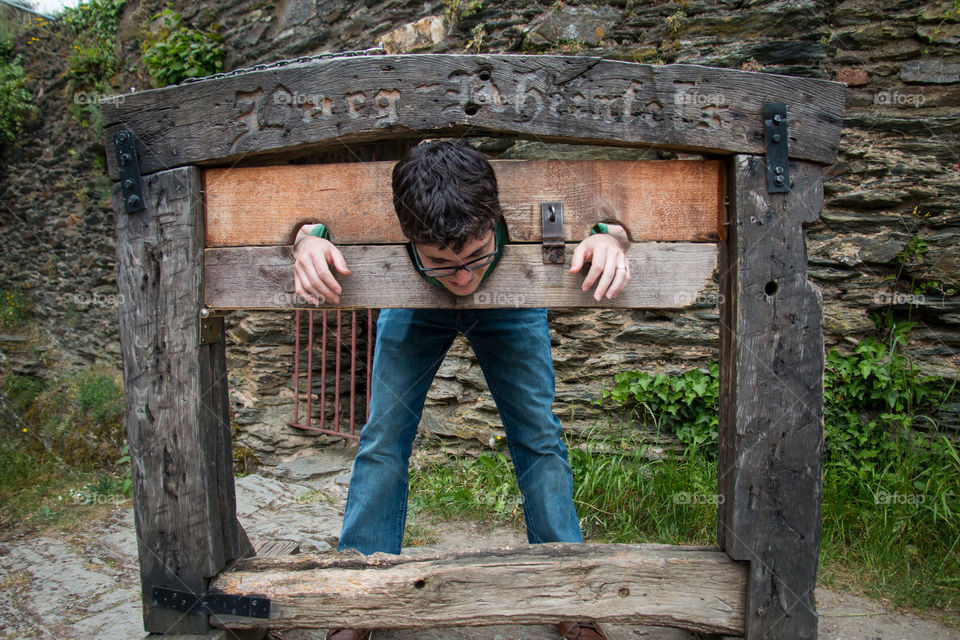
445 194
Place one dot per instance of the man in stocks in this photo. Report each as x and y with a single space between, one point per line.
446 199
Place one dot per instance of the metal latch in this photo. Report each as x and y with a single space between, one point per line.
130 184
211 326
551 220
211 603
778 157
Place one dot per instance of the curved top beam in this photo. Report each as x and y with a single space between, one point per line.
300 108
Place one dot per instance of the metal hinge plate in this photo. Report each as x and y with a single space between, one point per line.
551 220
211 326
207 604
129 165
778 157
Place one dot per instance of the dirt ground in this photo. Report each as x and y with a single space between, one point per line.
85 585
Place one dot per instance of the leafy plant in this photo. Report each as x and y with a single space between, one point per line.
15 307
15 99
175 53
456 10
22 390
92 61
684 405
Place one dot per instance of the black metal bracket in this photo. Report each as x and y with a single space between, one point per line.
778 157
551 221
211 603
129 165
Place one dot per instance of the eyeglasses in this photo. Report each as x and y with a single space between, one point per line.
472 265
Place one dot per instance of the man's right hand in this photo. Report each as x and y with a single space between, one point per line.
312 277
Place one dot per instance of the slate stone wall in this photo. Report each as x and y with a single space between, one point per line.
888 239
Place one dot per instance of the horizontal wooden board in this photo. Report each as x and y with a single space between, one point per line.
336 102
676 200
663 275
697 589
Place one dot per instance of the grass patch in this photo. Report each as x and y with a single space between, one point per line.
39 492
68 460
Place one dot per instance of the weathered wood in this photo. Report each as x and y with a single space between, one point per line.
771 402
677 200
663 275
301 108
176 400
694 589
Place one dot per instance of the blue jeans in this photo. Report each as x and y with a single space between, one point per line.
513 349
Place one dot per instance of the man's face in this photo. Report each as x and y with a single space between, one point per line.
463 282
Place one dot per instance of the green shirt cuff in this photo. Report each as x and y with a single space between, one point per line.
320 231
600 227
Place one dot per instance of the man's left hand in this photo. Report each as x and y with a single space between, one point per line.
609 268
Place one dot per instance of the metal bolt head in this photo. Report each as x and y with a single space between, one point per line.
776 137
128 183
133 200
778 180
777 118
778 170
125 158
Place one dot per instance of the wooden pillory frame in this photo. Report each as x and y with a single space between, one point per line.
207 201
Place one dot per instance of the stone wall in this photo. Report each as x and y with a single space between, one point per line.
888 239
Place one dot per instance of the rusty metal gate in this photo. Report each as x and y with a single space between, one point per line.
330 416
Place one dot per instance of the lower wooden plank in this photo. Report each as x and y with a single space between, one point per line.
691 588
663 275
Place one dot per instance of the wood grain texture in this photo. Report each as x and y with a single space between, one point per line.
664 275
771 401
676 200
176 416
694 589
300 108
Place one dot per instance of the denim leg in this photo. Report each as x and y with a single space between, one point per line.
513 348
410 347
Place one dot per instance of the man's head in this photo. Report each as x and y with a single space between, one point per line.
445 193
446 198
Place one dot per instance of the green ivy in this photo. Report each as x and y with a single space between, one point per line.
877 405
96 18
15 99
175 53
685 405
92 61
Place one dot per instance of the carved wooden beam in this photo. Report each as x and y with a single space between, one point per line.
300 108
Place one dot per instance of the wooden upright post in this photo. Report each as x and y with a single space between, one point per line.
177 411
771 399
